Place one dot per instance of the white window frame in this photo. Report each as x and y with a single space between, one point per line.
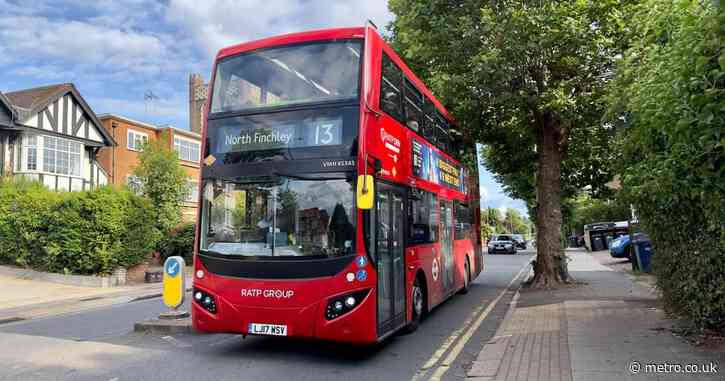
193 194
131 140
134 184
58 155
27 146
178 141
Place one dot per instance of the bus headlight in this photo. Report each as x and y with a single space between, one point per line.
205 300
340 305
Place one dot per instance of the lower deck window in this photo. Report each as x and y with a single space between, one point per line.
423 218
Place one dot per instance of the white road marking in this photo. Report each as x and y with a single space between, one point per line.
175 342
443 367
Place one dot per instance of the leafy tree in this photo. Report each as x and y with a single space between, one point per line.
515 223
669 99
491 223
163 181
527 78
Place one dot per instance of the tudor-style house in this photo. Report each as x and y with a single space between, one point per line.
50 134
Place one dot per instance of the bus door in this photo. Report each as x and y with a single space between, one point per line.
389 230
446 217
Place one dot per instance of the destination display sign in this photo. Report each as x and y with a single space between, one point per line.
429 165
314 132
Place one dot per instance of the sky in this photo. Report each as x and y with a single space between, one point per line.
118 53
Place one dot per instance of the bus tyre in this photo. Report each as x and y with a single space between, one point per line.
418 306
466 279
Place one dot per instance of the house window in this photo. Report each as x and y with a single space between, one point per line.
187 149
134 184
193 193
30 145
61 156
136 140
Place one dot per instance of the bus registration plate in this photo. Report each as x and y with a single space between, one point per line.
267 329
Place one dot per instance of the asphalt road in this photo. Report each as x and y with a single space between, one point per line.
99 344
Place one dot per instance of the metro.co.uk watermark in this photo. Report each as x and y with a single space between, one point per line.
636 367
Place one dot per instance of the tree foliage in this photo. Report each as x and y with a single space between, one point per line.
494 222
163 181
669 99
527 78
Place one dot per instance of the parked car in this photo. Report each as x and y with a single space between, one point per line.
621 246
501 243
519 240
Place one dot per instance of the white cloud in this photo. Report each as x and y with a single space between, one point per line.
221 23
78 42
483 192
116 50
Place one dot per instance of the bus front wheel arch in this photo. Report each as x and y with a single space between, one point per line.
418 302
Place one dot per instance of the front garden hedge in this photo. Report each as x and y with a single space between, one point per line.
89 232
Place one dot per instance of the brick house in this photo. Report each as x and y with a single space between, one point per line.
50 134
120 161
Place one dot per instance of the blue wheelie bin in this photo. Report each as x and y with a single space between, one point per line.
642 252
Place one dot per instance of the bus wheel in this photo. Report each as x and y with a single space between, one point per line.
418 304
466 279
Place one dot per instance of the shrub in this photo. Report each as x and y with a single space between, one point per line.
94 232
90 232
25 209
670 92
179 241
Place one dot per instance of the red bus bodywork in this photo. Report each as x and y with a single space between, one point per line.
303 311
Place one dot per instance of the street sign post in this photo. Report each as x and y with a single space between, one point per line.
174 287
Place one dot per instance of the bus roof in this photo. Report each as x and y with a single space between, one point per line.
293 38
332 34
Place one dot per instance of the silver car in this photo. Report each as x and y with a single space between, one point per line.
502 243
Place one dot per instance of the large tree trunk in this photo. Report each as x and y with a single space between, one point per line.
550 265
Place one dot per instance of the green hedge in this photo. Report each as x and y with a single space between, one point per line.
672 91
90 232
179 241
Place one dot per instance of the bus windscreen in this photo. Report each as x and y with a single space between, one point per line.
283 217
295 74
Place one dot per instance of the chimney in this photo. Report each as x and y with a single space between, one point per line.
197 99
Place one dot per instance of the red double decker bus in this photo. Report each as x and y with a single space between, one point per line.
332 202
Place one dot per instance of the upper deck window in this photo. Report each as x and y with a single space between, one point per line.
288 75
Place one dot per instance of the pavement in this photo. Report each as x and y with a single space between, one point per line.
24 299
611 327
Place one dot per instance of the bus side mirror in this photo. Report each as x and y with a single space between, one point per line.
365 191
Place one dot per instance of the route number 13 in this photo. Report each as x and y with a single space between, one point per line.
324 134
